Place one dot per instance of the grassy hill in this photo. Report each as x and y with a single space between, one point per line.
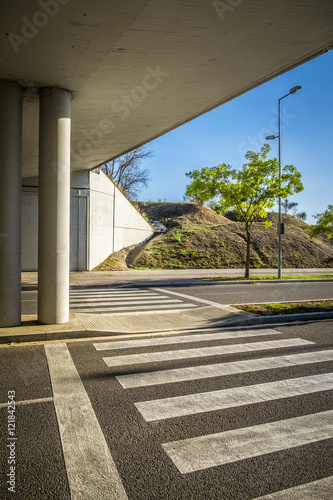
199 238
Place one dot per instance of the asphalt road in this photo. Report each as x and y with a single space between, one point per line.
259 292
270 438
230 293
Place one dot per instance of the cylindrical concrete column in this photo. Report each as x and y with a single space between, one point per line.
10 203
54 205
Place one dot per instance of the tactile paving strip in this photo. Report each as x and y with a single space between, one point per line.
139 322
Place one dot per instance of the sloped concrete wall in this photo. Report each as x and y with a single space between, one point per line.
102 222
114 223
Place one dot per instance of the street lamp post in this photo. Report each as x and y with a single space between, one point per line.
271 137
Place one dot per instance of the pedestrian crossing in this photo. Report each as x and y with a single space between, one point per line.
108 300
221 448
205 451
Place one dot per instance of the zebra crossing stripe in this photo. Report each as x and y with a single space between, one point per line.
117 297
191 404
206 337
151 357
90 468
122 301
107 290
221 369
212 450
316 490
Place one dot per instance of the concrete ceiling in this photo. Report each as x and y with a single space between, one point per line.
139 68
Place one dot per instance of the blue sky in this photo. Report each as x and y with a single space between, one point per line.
226 133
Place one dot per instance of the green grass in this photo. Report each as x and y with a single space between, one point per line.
288 308
272 278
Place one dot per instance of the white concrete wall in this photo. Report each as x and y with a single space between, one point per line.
114 223
96 230
130 226
100 219
29 241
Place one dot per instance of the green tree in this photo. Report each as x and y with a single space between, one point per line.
249 191
324 223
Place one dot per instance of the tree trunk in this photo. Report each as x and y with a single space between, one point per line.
248 247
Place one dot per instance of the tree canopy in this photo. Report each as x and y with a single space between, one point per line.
249 192
324 223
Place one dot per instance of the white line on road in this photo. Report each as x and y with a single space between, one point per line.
122 301
116 296
28 402
106 290
221 369
151 357
184 339
281 302
222 306
196 299
90 468
91 296
212 450
191 404
316 490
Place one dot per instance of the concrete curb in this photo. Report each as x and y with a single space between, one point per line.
82 334
280 318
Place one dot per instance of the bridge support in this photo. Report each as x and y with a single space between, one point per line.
10 203
54 206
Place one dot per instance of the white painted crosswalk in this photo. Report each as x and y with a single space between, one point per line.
108 300
222 369
316 490
153 357
221 448
230 398
180 339
205 451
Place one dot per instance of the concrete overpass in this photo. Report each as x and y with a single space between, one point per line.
83 82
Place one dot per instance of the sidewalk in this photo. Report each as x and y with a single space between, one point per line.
83 325
110 278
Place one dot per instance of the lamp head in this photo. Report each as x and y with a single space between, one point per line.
295 89
271 137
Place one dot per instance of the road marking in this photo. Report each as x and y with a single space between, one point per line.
117 298
282 302
317 490
190 297
28 402
212 450
117 295
106 290
202 352
121 302
110 293
206 337
191 404
90 468
221 369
